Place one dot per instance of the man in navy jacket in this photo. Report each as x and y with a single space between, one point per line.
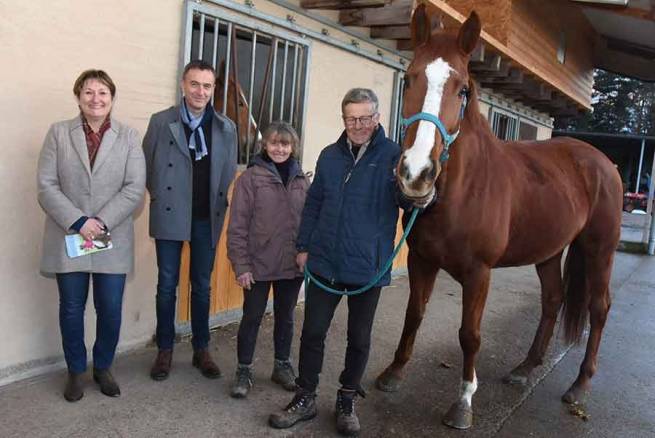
346 236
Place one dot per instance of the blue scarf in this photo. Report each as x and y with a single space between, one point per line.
197 141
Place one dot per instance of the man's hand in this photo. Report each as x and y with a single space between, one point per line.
246 280
301 260
92 228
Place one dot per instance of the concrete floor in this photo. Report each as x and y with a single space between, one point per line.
189 405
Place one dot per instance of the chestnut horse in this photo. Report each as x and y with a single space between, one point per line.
498 204
237 110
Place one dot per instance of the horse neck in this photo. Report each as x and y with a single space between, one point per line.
475 149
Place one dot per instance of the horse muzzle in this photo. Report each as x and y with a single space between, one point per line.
417 187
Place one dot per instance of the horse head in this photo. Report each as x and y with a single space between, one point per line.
437 87
236 107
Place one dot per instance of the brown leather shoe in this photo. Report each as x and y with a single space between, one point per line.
203 361
162 366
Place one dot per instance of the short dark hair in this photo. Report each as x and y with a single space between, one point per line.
98 75
360 95
198 64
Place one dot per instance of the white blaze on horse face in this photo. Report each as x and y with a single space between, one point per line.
417 157
467 390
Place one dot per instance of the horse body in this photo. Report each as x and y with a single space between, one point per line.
500 204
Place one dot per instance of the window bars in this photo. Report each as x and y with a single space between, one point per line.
266 71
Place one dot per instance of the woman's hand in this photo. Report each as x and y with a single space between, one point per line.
92 228
245 280
301 260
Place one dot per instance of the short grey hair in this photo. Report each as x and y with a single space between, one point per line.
360 95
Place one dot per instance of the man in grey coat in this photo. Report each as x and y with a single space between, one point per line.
191 160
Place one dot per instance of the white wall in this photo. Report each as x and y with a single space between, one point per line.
44 46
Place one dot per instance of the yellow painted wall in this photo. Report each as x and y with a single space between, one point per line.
44 46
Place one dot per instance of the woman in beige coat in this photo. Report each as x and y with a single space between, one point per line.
261 240
91 178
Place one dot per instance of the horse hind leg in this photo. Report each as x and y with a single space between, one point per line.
422 276
597 276
552 295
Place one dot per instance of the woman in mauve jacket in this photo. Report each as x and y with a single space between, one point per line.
265 215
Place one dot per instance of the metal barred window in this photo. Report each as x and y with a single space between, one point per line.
265 67
504 124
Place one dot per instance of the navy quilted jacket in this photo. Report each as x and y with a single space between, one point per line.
349 219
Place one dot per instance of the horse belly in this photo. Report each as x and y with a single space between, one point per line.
540 241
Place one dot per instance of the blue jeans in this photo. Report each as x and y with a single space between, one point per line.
202 262
108 301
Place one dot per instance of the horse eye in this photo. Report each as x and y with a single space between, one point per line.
464 92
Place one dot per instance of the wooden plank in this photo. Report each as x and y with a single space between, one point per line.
491 63
404 45
626 11
395 14
391 32
342 4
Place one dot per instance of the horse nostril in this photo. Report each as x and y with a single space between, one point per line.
432 173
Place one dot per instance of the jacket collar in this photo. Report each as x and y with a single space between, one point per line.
294 166
378 136
79 143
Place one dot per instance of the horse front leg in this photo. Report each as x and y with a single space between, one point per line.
422 276
552 296
474 297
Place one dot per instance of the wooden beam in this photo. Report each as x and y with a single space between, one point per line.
342 4
503 71
644 14
405 45
391 32
491 62
513 80
397 13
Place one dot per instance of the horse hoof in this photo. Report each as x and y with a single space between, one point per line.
388 382
574 396
515 379
459 416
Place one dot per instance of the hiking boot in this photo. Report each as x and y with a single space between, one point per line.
347 421
162 366
283 375
74 389
301 408
243 382
108 385
204 362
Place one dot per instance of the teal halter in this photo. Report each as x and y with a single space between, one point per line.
448 139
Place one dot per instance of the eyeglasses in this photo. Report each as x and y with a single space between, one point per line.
365 121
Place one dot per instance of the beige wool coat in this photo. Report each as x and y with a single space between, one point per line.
69 189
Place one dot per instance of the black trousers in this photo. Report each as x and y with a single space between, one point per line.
285 297
319 310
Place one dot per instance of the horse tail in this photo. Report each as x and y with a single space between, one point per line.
576 293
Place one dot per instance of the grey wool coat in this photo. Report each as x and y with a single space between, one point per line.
68 189
170 174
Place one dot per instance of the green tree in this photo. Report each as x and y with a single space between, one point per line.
620 105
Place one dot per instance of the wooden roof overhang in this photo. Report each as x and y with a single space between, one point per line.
492 64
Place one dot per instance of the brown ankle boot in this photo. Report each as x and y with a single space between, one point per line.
204 362
74 388
162 366
108 385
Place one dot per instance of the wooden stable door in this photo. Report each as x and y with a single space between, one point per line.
226 294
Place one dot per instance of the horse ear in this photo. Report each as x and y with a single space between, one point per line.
421 26
469 34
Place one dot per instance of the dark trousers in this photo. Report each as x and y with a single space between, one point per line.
285 297
319 310
202 262
108 301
